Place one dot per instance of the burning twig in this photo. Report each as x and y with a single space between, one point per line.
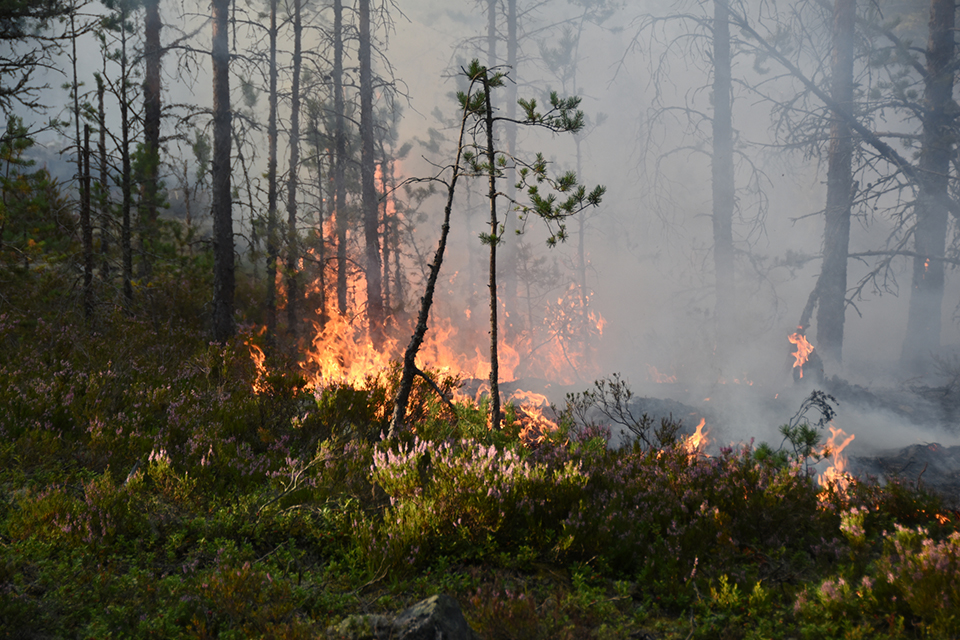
836 475
804 349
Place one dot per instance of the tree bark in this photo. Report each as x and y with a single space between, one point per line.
340 162
722 176
293 253
126 180
926 294
223 264
513 323
494 240
385 236
103 190
151 128
83 179
272 249
86 227
322 178
832 285
371 208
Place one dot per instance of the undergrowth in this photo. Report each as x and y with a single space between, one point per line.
149 491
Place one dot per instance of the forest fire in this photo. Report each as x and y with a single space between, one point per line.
660 378
698 441
259 358
804 349
836 475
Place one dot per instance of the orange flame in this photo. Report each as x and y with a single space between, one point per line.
804 349
655 376
259 359
554 344
836 475
695 443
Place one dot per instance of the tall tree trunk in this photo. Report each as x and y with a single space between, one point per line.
86 227
371 207
494 240
272 250
510 258
83 178
395 235
293 253
582 262
926 294
103 188
722 175
272 183
385 217
126 179
832 285
223 266
322 240
491 34
151 128
340 162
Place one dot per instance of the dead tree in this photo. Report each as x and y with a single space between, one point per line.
926 292
223 263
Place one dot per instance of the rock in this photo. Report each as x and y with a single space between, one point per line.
436 618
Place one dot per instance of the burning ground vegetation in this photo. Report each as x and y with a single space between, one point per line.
157 484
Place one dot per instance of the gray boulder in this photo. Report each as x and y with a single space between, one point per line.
436 618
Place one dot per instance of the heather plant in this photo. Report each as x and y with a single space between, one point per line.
466 498
925 574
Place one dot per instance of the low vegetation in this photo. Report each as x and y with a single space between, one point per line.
149 490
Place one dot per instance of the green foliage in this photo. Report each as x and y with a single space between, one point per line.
35 221
149 488
801 436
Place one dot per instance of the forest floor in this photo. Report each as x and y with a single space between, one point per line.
155 484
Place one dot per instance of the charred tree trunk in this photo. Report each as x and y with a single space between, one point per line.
322 241
371 207
223 266
151 129
926 294
103 188
386 169
293 253
340 161
722 174
86 227
832 285
272 249
126 180
494 241
395 235
83 178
